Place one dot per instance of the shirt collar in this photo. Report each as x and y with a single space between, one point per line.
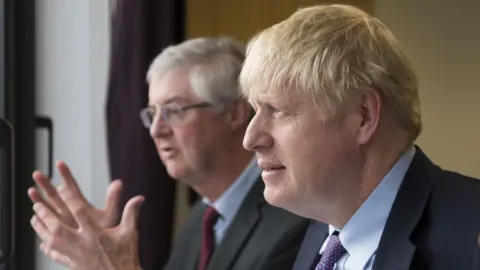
361 235
229 202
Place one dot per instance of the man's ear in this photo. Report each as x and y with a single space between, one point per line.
239 114
369 106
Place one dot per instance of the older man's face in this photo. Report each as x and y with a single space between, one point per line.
188 144
302 157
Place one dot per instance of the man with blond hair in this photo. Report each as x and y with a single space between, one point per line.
197 119
337 114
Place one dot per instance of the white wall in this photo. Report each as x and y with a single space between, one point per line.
72 61
443 38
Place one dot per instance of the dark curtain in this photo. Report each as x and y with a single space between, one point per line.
140 30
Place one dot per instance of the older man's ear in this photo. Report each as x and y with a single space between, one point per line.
240 114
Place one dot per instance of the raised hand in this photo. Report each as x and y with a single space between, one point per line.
86 244
107 217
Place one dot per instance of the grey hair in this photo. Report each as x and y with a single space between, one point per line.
216 64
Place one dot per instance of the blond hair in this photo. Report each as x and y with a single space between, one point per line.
330 51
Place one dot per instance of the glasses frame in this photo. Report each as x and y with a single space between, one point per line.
148 119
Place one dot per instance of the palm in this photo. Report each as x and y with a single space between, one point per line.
105 219
89 246
110 243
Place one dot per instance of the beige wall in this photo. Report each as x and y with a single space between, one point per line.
243 18
443 38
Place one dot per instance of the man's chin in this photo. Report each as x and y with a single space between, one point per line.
176 173
274 197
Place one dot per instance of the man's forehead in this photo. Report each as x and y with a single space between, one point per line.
165 96
174 83
274 96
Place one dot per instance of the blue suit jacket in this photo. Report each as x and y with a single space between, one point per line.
434 223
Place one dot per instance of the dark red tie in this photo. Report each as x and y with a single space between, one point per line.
210 216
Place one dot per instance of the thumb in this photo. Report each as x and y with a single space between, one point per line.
131 213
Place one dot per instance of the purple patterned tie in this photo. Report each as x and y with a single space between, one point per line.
331 254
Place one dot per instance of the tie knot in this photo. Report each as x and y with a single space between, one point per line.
335 244
332 253
210 216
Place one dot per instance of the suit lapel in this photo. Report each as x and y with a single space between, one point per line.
195 241
316 234
239 230
396 250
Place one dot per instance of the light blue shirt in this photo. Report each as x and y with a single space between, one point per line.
361 235
229 202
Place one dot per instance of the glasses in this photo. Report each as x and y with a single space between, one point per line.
170 115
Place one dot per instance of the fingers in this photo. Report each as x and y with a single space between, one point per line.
36 197
131 213
75 203
52 242
51 198
114 192
67 178
56 256
50 229
53 225
44 183
81 210
41 230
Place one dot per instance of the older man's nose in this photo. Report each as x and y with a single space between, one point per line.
159 128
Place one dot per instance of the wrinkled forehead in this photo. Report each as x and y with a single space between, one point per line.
259 95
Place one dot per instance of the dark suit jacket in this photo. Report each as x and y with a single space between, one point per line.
433 224
260 237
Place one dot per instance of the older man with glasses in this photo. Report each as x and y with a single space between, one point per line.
197 120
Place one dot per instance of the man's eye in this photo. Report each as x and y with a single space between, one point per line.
172 109
279 113
276 112
175 112
151 112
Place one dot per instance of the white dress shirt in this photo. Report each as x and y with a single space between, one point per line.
361 235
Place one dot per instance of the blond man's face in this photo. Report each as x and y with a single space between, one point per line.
302 156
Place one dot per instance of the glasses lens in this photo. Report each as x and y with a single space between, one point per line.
171 115
147 115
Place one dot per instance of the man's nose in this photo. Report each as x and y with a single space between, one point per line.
159 128
257 135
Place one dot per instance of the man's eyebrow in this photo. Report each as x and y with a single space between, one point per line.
262 104
175 99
